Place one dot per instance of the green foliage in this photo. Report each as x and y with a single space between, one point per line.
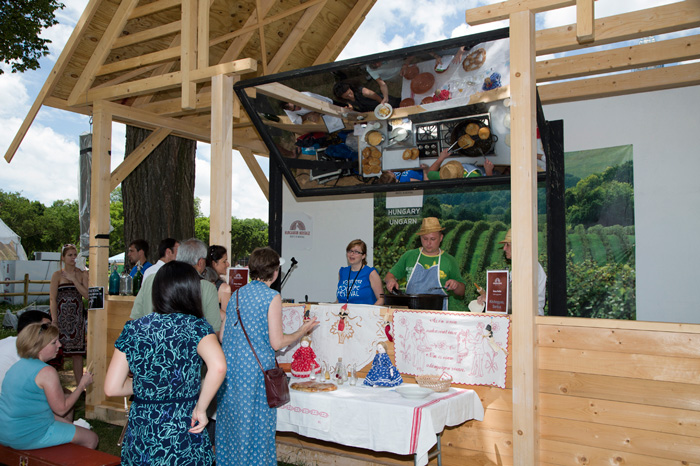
246 235
21 22
116 219
201 228
40 228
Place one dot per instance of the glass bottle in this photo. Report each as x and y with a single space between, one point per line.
114 281
353 375
341 374
138 278
125 283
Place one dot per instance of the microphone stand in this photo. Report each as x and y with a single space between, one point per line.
286 275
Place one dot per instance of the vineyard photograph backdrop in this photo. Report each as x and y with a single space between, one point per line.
600 237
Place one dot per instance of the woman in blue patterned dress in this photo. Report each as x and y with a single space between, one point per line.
164 350
245 431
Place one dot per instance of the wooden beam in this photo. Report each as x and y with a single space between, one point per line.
188 53
127 76
295 36
502 10
620 59
287 94
351 22
140 118
154 7
148 34
162 69
255 170
221 161
52 79
104 47
523 183
585 21
643 23
169 81
203 34
137 156
242 35
621 84
261 38
99 248
161 56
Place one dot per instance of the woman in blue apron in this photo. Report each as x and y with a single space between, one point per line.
428 269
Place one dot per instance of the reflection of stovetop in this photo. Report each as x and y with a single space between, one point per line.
434 136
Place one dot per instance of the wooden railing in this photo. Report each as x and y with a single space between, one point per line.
26 293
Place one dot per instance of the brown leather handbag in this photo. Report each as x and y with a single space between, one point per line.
276 381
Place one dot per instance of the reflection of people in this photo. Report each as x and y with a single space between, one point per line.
359 283
164 350
246 425
541 276
405 176
304 360
428 270
298 114
437 170
69 286
357 98
33 402
383 71
383 372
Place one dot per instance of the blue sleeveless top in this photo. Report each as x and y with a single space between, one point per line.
361 292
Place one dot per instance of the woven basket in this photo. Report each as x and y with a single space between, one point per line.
433 382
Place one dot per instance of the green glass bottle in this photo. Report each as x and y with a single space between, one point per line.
138 278
114 281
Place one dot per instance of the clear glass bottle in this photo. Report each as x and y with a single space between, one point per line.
353 375
125 283
341 375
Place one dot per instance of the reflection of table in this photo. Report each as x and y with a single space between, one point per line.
378 419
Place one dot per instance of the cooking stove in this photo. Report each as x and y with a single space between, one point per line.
434 136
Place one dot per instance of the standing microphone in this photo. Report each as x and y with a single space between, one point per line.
294 262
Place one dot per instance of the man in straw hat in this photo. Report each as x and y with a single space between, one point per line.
541 276
428 270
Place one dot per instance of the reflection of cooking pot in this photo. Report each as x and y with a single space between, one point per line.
415 301
481 146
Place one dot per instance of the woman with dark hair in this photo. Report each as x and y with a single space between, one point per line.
33 402
217 266
357 98
164 350
69 285
358 283
245 424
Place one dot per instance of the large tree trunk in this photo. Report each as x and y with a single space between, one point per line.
159 194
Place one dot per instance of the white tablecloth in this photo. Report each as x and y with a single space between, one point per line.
378 419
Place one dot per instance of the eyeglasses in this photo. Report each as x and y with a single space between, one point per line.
354 252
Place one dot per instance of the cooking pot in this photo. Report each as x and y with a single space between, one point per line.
415 301
481 146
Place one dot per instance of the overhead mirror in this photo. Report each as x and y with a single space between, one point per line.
406 119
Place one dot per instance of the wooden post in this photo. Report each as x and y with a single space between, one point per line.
524 246
99 248
221 160
26 289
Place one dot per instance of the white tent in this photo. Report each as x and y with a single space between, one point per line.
118 259
10 244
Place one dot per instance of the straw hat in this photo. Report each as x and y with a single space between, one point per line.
429 225
507 239
452 169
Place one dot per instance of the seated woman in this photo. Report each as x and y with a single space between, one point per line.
359 283
33 402
165 350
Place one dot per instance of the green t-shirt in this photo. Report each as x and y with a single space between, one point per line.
449 270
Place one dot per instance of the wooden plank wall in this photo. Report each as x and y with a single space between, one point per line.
611 392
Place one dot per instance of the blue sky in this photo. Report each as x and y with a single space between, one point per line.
46 166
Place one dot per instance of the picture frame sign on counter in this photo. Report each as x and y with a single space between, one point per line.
237 277
497 291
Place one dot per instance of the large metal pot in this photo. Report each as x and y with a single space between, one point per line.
415 301
481 146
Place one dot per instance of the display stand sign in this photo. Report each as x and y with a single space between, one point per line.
237 277
497 291
96 297
470 348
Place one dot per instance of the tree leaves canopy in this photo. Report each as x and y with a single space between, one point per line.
21 22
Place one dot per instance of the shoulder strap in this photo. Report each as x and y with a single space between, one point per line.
238 311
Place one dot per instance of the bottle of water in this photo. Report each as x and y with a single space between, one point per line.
341 375
125 283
